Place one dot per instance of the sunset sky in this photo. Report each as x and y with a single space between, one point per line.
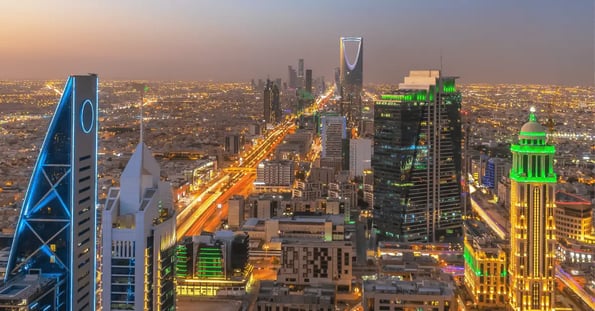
535 41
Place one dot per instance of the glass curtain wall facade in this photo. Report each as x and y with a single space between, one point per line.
417 162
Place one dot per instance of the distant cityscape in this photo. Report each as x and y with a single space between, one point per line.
297 193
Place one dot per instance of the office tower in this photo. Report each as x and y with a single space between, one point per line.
292 76
532 230
300 72
416 159
496 168
351 76
233 143
332 132
360 156
139 239
275 104
268 102
309 81
52 261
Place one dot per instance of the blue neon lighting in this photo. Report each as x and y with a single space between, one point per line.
87 104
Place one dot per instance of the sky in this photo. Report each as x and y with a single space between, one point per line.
530 41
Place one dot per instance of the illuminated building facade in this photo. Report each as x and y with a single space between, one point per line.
268 102
139 236
574 218
416 159
532 234
213 264
351 77
486 267
332 133
55 239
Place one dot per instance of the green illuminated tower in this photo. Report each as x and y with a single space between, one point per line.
532 234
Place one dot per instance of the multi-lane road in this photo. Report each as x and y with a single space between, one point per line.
206 207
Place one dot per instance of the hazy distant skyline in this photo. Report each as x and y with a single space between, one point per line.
535 41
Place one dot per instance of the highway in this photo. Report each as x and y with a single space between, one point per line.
209 205
203 207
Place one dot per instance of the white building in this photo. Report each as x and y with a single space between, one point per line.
360 156
139 237
274 174
332 132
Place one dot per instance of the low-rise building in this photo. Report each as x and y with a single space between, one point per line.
393 294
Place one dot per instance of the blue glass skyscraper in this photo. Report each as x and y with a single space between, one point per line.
55 239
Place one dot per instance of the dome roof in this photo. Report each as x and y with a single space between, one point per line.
532 127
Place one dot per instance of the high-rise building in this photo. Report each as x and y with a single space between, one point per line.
52 263
532 230
276 104
139 236
268 102
300 72
309 81
332 132
360 156
292 76
233 143
351 77
416 159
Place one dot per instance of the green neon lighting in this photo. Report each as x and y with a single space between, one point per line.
503 273
552 178
401 97
532 134
532 117
470 261
547 149
210 263
449 86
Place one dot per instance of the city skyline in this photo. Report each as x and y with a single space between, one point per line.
541 42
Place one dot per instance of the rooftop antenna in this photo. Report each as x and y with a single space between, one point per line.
142 101
440 61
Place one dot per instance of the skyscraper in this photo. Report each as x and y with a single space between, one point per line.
416 159
276 104
309 81
532 231
332 132
351 76
300 72
268 102
55 238
292 76
139 236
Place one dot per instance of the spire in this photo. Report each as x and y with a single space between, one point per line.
532 117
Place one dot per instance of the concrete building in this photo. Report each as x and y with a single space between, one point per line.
360 156
275 175
235 214
274 296
139 239
486 266
332 133
394 294
574 218
317 262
